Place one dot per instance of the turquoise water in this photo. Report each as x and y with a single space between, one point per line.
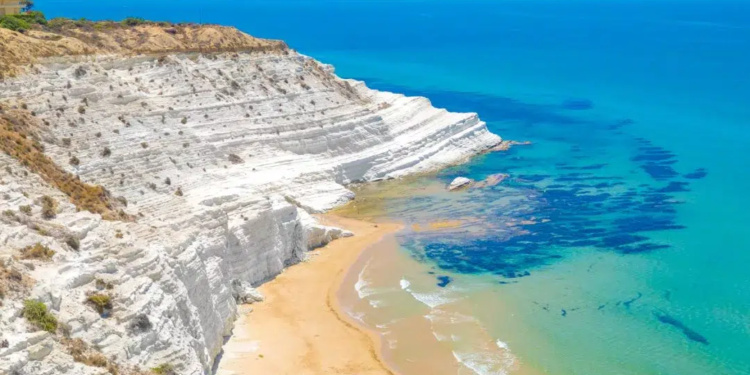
637 179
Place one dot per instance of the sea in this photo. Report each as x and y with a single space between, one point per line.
616 242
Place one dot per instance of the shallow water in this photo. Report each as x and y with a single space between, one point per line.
617 244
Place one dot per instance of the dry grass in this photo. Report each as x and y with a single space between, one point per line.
49 207
82 353
13 283
63 37
38 251
19 139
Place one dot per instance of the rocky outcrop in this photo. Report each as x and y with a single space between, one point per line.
218 160
460 183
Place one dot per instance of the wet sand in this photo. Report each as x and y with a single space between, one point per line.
300 329
411 343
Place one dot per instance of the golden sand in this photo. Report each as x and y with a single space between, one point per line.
299 329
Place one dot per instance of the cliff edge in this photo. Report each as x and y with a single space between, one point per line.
151 175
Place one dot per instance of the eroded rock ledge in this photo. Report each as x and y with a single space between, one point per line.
219 159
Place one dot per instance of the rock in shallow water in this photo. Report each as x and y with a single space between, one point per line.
459 183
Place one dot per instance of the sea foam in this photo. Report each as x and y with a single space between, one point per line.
481 363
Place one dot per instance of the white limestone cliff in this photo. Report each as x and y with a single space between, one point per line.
254 142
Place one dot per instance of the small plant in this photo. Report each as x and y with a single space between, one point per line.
133 21
123 201
178 192
140 323
25 209
167 181
144 145
234 159
106 152
36 313
66 142
81 110
49 207
164 369
37 251
118 234
101 284
80 72
98 134
73 242
152 186
100 302
98 360
74 161
184 120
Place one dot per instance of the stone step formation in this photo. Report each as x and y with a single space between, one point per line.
217 161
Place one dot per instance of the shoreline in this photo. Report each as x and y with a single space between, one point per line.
301 328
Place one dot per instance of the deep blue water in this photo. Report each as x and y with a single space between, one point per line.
637 179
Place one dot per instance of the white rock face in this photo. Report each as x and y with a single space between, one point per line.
460 182
255 143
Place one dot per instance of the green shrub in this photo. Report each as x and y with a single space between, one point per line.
25 209
100 302
164 369
32 17
36 313
11 22
133 21
82 22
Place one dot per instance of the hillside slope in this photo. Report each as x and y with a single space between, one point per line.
209 165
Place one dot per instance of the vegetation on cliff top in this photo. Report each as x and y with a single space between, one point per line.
26 37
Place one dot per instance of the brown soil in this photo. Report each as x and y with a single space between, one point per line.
72 38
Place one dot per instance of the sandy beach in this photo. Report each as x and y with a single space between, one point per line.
299 329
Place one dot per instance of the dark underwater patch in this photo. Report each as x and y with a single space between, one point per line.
697 174
443 281
659 171
491 108
621 123
573 203
578 104
675 187
630 301
689 333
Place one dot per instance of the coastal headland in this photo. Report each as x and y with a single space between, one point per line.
153 174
